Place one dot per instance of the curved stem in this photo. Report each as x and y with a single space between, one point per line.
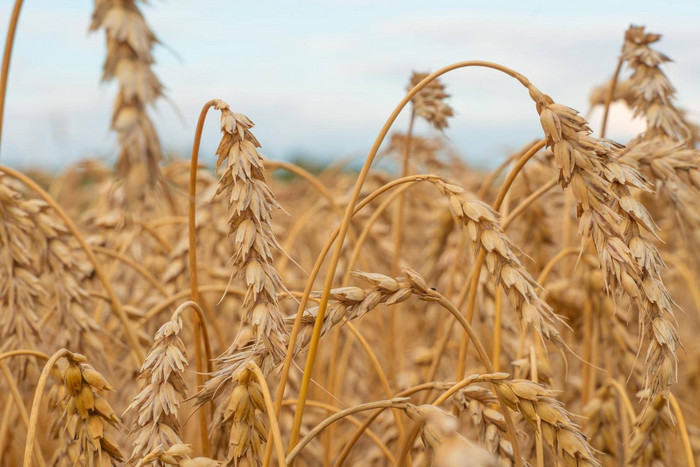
344 226
687 448
497 320
407 392
134 265
24 352
553 261
474 286
609 95
332 409
528 201
399 402
397 231
194 289
4 73
380 373
200 314
270 409
36 404
622 393
14 390
114 303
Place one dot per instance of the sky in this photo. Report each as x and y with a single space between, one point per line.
319 78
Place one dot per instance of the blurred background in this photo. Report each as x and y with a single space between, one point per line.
320 77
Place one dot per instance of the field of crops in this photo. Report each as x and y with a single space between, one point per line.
162 313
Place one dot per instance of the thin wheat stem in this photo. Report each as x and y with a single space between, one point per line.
14 390
192 255
380 374
5 72
134 265
687 448
609 96
398 402
328 283
332 409
269 408
534 196
36 404
24 352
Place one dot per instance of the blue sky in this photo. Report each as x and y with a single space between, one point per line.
319 78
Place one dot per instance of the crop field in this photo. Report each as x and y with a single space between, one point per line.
405 309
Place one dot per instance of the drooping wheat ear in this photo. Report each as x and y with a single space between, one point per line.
430 103
614 220
484 231
346 302
244 410
20 289
653 92
440 435
129 60
87 415
41 269
648 444
542 410
250 203
162 387
490 423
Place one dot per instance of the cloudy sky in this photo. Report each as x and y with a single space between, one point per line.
320 77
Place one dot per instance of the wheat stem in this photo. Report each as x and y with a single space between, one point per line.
36 404
5 72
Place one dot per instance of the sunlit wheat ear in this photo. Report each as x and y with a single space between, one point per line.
250 204
156 427
440 435
614 220
429 103
539 407
484 231
89 417
129 60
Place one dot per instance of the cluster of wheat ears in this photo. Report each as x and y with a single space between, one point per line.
540 314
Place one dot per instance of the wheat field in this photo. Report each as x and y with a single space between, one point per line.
235 310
